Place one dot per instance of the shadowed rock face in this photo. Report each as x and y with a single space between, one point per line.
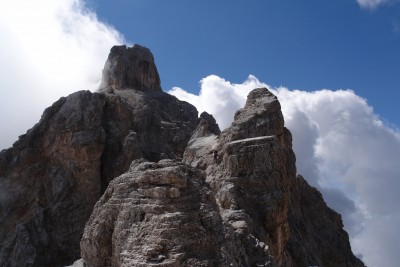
213 199
54 174
316 231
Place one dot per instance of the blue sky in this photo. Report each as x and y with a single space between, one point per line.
307 45
333 64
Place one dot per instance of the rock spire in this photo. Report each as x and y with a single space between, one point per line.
130 68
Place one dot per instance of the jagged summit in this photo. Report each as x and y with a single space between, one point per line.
250 121
130 68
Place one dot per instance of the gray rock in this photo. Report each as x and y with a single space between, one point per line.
203 142
318 229
131 67
54 177
157 213
261 116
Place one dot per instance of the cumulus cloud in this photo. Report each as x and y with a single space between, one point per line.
342 148
49 49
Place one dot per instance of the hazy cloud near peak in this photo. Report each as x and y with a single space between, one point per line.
49 49
341 147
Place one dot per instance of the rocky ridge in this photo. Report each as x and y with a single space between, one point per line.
185 194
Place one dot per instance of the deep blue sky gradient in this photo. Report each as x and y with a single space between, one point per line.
307 45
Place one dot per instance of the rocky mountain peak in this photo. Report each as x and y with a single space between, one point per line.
131 176
261 116
130 68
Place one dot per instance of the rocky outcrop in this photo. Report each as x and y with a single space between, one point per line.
54 174
255 185
234 201
152 125
252 174
131 67
185 194
159 214
164 214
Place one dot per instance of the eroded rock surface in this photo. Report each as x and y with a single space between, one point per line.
130 67
164 214
157 213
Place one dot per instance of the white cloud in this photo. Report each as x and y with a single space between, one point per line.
372 4
230 97
342 148
49 49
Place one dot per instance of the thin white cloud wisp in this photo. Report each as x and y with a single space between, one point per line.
342 148
49 49
373 4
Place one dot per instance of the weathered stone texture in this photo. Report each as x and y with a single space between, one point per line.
53 178
130 68
157 213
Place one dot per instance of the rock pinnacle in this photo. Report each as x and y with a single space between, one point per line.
130 68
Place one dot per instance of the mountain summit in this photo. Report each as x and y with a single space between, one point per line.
130 68
130 176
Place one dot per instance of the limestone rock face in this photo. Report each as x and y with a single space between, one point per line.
157 213
254 181
164 214
54 174
261 116
131 67
152 125
52 179
252 173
